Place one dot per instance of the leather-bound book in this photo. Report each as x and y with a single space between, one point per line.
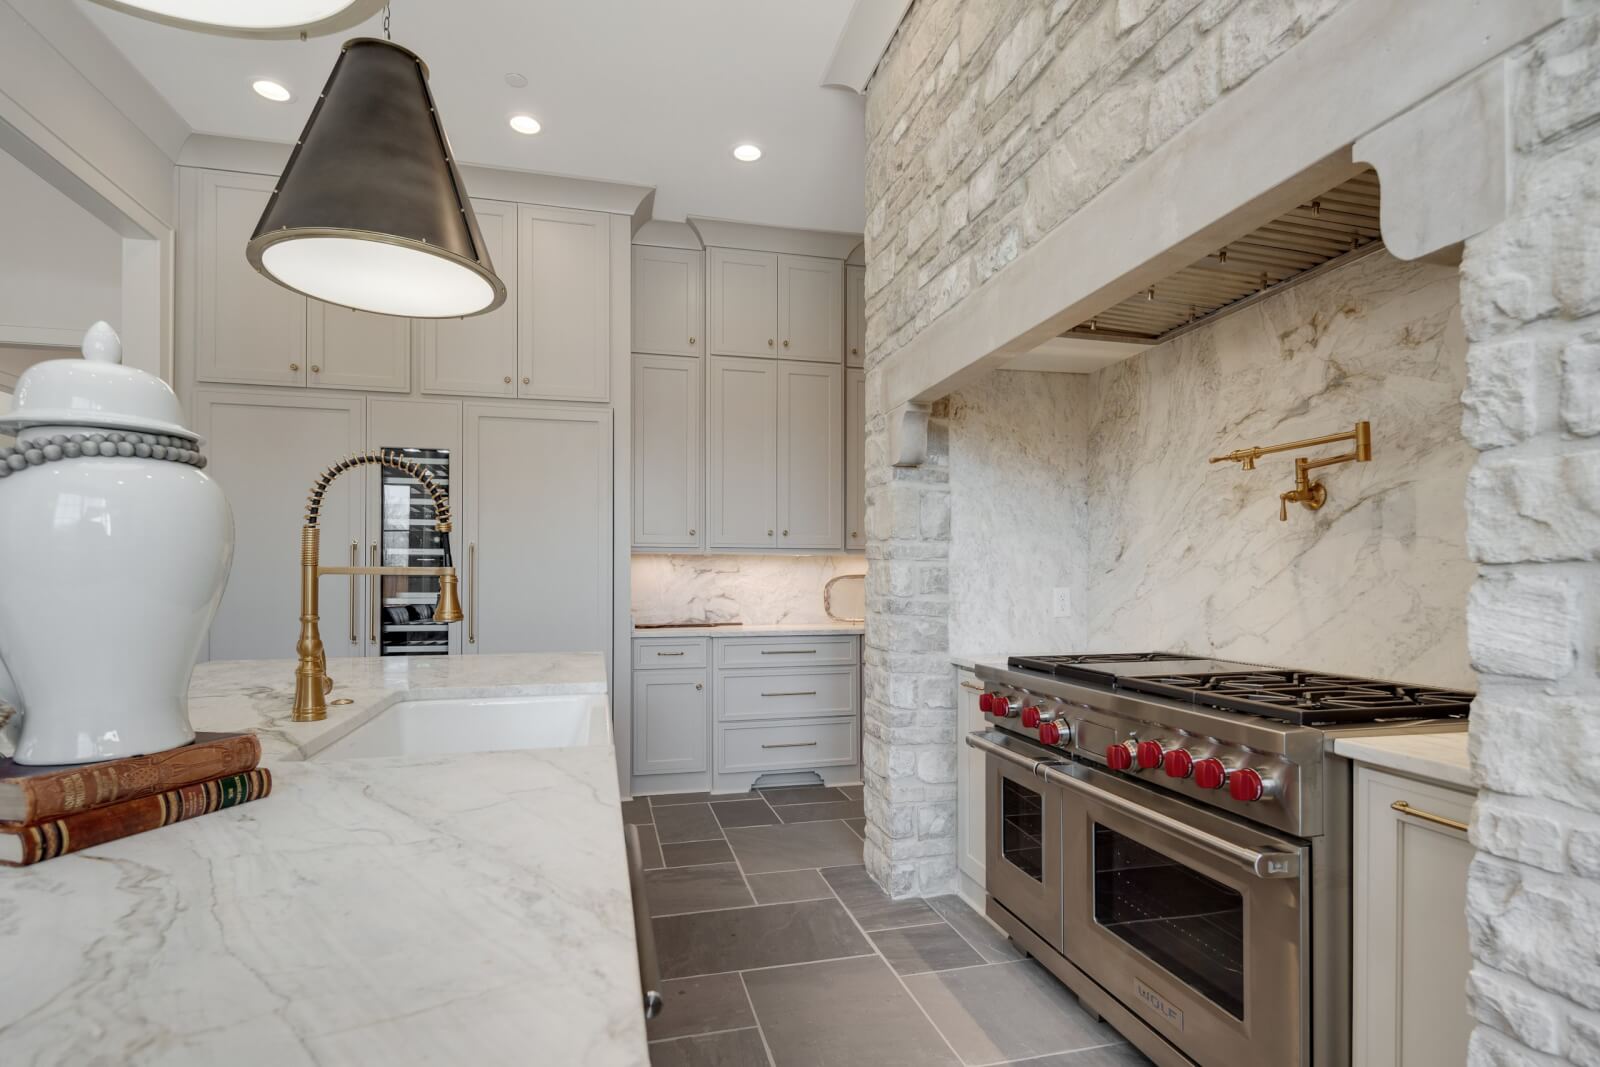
22 845
33 794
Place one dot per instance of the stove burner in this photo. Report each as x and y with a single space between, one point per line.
1305 697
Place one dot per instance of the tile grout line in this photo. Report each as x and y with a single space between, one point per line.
707 1033
761 1031
770 966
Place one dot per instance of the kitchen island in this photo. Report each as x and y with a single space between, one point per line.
421 909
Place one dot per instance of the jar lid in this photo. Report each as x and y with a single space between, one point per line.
96 391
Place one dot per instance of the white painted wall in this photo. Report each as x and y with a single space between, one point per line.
60 267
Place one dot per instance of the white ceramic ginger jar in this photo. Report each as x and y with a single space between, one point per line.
115 548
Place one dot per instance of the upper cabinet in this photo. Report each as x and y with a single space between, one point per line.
810 308
477 356
742 453
772 305
249 330
855 458
348 349
855 315
669 301
667 468
564 304
810 455
742 302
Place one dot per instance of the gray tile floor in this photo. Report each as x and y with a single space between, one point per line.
777 949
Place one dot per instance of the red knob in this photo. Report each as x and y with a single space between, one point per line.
1179 764
1030 716
986 702
1246 785
1050 733
1120 757
1149 754
1209 773
1002 707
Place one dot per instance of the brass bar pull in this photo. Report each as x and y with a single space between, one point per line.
355 638
793 744
669 653
788 652
1427 816
974 688
472 592
376 590
796 693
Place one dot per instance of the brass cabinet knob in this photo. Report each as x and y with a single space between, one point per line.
691 533
294 366
315 369
786 533
786 344
769 533
699 685
507 379
854 534
527 381
855 351
769 342
691 340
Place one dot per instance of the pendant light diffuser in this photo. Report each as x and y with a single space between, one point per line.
370 211
252 18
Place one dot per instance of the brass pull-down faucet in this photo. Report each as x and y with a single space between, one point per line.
1307 493
311 681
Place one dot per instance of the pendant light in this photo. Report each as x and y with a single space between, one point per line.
370 211
252 18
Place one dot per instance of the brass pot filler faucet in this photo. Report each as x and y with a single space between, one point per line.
1307 493
311 681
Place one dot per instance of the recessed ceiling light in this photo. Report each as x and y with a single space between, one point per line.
746 153
525 124
270 89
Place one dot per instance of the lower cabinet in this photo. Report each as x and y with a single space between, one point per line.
972 828
764 705
1410 922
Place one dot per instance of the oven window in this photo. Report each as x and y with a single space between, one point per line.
1022 828
1182 920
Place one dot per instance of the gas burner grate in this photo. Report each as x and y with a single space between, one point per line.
1305 697
1093 666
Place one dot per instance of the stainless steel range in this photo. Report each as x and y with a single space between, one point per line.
1170 835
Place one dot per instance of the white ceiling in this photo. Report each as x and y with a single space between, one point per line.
639 91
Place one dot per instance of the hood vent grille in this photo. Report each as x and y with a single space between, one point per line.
1326 232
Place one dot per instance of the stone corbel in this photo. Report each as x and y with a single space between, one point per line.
1445 165
908 434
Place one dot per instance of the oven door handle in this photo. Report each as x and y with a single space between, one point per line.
1264 864
1001 748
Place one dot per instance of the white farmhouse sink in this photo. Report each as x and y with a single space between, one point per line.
477 724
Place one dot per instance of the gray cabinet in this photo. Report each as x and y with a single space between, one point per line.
742 453
563 304
810 308
671 721
477 356
855 458
810 455
348 349
742 302
855 315
668 301
667 468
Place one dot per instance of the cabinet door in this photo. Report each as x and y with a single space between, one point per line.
397 423
248 330
265 452
855 458
972 829
855 315
810 308
810 455
671 722
357 350
477 356
564 304
667 427
742 302
1411 955
669 301
537 519
742 453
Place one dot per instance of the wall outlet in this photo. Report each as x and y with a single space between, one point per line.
1060 602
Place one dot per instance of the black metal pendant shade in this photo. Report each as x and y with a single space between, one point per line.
370 211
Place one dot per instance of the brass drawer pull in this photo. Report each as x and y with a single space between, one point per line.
669 653
793 744
355 638
788 652
1427 816
796 693
974 688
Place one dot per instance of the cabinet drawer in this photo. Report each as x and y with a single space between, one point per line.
786 652
780 746
786 694
689 652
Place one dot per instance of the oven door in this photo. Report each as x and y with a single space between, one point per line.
1022 866
1195 922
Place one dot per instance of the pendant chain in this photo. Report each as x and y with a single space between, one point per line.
386 35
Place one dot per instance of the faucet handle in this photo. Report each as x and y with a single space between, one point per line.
1283 505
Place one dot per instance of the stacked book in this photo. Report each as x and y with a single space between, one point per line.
47 812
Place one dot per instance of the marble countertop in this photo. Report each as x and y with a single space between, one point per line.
1438 757
968 660
763 629
465 908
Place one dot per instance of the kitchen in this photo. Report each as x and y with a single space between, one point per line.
1379 331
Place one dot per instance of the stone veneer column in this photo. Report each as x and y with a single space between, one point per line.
909 725
1531 305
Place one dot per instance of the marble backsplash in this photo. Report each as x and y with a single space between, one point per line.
748 589
1099 483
